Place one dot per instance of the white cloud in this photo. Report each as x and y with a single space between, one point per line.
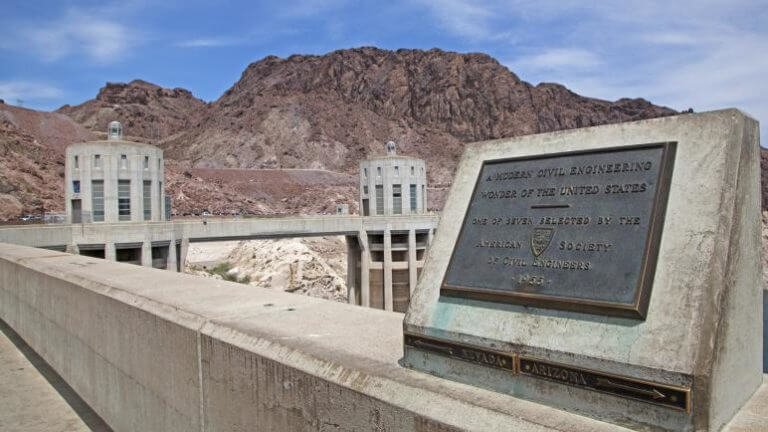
706 54
27 91
78 33
464 18
557 59
670 38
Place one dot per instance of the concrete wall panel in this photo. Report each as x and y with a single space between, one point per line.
113 354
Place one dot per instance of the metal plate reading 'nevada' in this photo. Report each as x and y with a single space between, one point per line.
576 231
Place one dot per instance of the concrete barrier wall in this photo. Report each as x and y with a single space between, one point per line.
138 370
151 350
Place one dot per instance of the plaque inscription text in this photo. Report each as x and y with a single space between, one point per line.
575 231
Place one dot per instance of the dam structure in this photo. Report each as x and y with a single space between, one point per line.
117 210
145 347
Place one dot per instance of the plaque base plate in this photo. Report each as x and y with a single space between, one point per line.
665 395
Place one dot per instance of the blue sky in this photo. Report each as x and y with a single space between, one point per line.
701 54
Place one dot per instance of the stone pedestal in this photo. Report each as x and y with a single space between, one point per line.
688 361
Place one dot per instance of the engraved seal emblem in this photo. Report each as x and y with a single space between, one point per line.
540 240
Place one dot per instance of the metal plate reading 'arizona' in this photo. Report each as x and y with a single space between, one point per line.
576 231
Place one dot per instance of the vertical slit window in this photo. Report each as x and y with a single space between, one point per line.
124 200
77 163
397 199
379 199
147 199
146 162
413 197
97 161
97 197
160 197
123 161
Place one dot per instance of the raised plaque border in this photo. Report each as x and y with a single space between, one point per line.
677 398
637 310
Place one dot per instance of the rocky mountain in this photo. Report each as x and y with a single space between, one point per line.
330 111
32 160
32 147
147 111
318 113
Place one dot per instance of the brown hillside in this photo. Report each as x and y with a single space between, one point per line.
330 111
146 110
327 113
32 160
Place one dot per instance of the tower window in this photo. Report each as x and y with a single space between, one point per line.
413 197
397 199
77 163
413 170
397 171
124 200
146 162
379 199
378 171
365 172
75 186
160 198
123 161
97 161
147 198
365 190
97 200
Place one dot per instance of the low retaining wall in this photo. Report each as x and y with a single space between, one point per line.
151 350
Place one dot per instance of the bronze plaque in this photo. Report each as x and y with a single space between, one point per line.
575 231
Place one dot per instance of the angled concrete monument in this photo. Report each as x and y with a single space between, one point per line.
611 271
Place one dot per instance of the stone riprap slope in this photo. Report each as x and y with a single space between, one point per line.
310 266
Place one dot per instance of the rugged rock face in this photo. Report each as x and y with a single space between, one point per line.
32 160
261 192
330 111
323 113
146 110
